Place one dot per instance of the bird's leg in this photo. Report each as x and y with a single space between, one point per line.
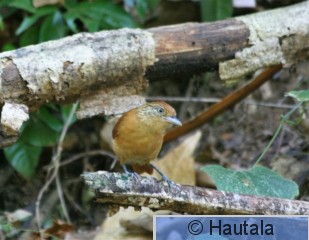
133 174
164 177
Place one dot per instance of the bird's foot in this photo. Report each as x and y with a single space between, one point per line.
131 174
134 175
168 181
164 177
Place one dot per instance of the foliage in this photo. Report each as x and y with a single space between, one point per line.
43 129
53 22
212 10
300 95
98 15
257 180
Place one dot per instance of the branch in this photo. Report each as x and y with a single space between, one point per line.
221 106
119 189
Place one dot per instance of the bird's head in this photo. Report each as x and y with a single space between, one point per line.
159 115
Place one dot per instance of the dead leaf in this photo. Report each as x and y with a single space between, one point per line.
178 164
143 223
59 230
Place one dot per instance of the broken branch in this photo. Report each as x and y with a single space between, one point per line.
119 189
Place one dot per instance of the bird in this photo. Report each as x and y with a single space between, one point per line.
137 136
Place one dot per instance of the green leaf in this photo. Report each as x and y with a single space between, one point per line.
213 10
142 9
29 21
6 226
24 5
70 3
38 133
8 47
71 23
91 25
257 180
301 95
5 3
31 36
23 157
1 23
48 118
52 28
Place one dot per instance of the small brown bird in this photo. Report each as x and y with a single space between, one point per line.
138 136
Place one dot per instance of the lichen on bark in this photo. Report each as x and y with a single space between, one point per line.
280 36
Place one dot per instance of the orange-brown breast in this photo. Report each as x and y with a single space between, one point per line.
134 142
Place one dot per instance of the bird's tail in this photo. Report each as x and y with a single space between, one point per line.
142 168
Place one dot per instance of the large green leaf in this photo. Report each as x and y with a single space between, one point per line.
50 118
38 133
257 180
23 157
301 95
213 10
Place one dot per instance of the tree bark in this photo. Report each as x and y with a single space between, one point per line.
106 70
119 189
193 48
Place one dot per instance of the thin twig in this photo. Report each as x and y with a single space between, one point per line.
183 99
55 161
284 119
216 100
269 144
76 205
62 202
224 104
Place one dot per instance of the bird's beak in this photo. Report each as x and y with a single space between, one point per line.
173 120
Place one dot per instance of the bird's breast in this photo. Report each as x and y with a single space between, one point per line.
137 146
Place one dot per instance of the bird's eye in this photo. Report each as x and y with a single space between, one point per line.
160 110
